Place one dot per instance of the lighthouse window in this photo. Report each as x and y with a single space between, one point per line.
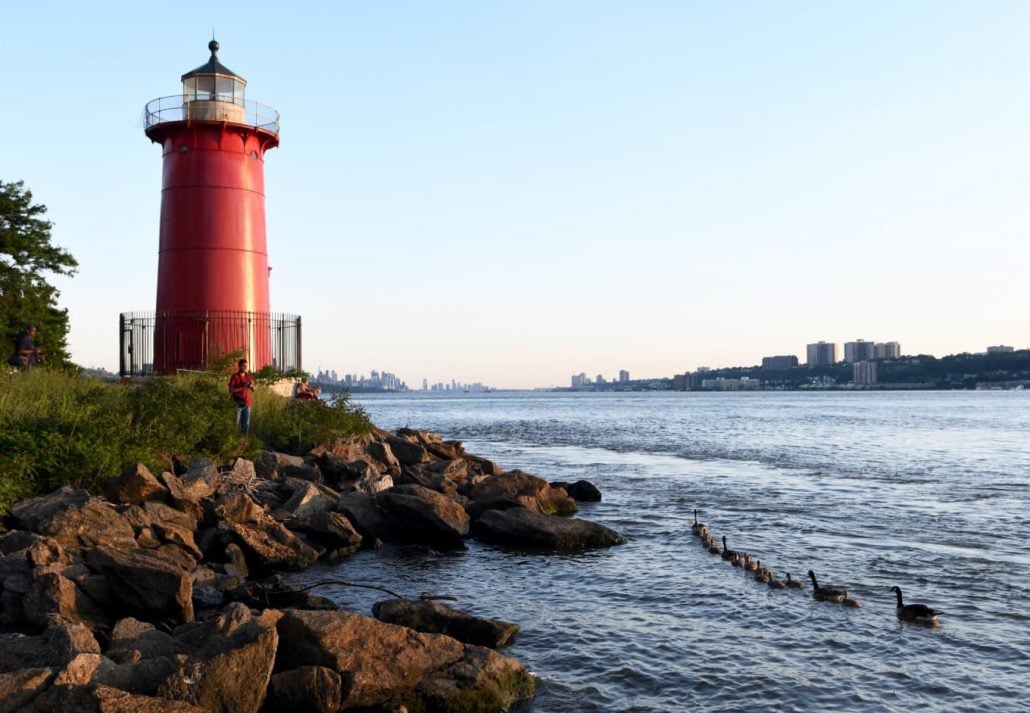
229 90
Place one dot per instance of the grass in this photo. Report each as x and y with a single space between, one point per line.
59 428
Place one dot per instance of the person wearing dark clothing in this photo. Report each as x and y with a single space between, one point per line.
26 353
241 386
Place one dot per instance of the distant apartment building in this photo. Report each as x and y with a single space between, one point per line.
822 354
779 363
599 379
864 373
623 376
722 384
580 380
690 379
859 350
1000 349
887 350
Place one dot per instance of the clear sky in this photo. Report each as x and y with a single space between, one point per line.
513 192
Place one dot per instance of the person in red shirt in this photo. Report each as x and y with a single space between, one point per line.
241 386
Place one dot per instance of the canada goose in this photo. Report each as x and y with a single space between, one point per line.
849 602
727 553
825 594
698 526
750 564
761 574
794 583
714 548
736 561
773 582
919 613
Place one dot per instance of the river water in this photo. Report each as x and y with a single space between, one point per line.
929 491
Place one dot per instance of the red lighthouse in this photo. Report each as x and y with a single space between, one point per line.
212 284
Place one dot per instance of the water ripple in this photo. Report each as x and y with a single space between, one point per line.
924 490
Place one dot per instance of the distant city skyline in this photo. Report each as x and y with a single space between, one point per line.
515 193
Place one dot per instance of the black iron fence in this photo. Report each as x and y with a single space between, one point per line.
165 342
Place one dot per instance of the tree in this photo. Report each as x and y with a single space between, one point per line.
26 257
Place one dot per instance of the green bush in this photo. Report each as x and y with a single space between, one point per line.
59 428
294 426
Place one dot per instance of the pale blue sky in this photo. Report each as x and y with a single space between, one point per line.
515 192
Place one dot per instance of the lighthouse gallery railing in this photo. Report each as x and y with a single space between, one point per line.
175 108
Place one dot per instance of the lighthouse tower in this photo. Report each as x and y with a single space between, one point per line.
212 279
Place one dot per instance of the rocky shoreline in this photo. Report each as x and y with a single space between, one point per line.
165 594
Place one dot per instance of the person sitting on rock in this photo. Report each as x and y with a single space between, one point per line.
306 392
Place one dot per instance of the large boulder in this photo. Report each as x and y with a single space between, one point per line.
518 489
346 449
161 514
19 688
367 519
519 527
383 455
273 465
230 663
308 500
408 452
135 640
51 595
179 536
135 485
312 689
238 507
455 470
269 546
418 514
103 699
75 519
483 465
582 491
55 647
372 481
381 663
186 496
150 586
331 530
444 450
435 618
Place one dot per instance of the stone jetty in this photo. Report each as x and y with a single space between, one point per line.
164 594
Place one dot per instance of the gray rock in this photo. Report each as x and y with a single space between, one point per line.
407 452
519 527
435 618
580 491
518 489
74 519
146 583
230 664
385 664
135 485
418 514
314 689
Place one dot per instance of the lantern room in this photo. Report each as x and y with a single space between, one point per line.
213 92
